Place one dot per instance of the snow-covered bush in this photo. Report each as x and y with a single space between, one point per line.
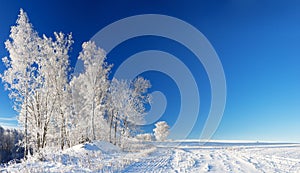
144 137
161 132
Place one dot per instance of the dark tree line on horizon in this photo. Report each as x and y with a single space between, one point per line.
9 145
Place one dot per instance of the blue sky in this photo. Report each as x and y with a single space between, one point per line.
258 43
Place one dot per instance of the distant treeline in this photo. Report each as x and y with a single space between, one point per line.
9 148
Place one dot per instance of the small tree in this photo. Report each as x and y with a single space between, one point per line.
161 131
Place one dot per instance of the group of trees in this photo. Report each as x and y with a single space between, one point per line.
57 109
9 149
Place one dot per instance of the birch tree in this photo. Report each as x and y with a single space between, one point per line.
126 107
55 69
119 95
19 77
36 76
93 87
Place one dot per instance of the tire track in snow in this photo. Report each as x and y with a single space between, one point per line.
158 161
226 159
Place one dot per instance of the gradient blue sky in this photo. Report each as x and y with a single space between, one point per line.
258 43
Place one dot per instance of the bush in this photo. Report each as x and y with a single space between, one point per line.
144 137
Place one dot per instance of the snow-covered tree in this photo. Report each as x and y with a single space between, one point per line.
92 87
57 111
19 77
54 88
161 131
95 83
116 105
138 99
36 76
126 106
79 125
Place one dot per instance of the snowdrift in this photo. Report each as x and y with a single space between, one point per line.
96 146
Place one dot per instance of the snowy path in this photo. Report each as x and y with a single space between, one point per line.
265 158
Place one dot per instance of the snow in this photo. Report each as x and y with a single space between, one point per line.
221 157
183 156
104 147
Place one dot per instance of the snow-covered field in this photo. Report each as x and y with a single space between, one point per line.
184 156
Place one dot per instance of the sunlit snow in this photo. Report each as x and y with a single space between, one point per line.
184 156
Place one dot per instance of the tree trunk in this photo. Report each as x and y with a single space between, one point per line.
110 126
44 135
93 119
62 131
25 126
115 142
39 123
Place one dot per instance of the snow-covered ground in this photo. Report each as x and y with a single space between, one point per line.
184 156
